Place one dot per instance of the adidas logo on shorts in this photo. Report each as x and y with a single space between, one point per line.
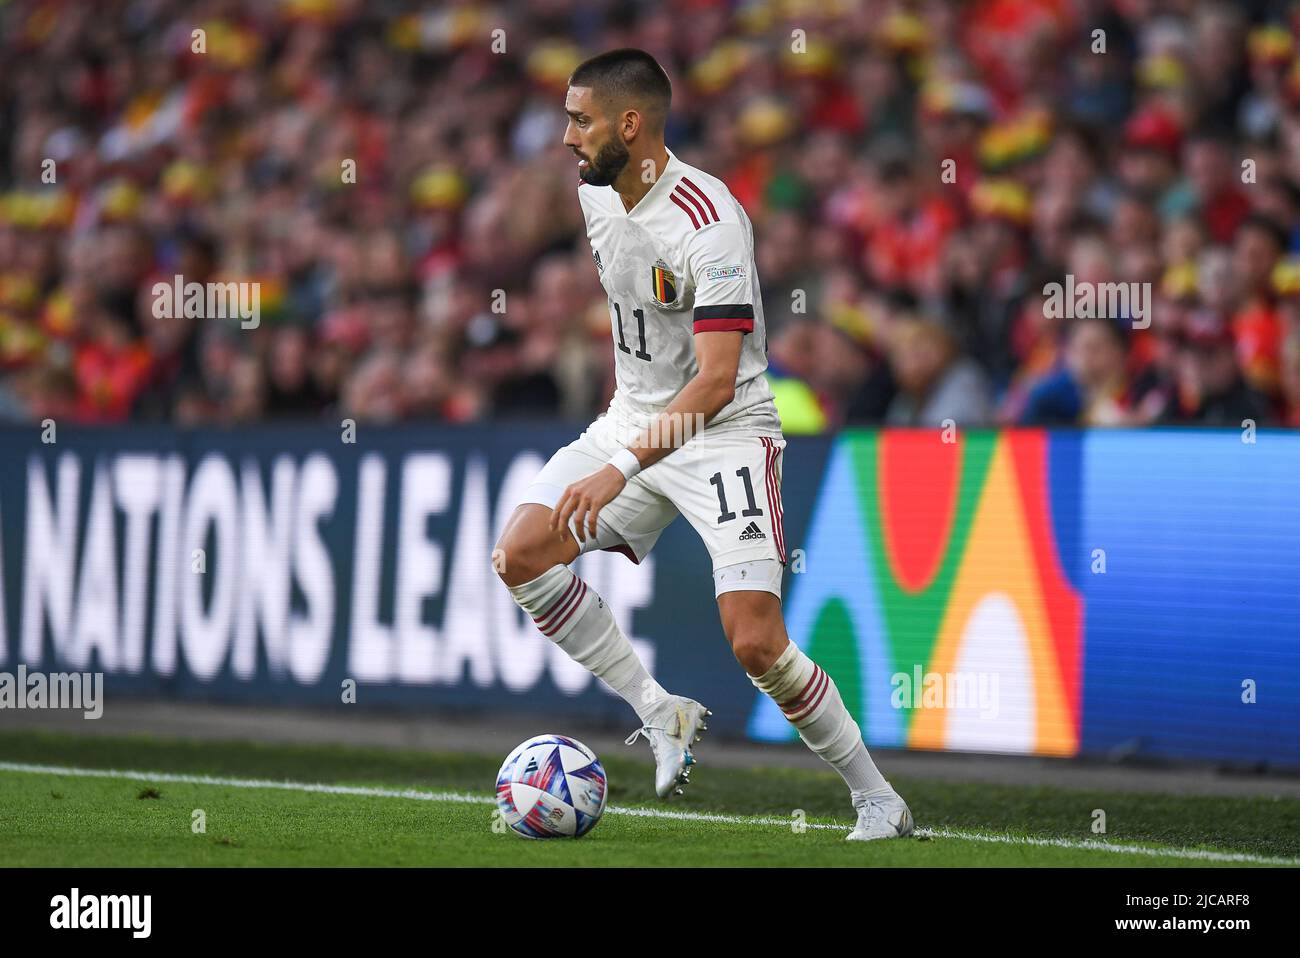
752 531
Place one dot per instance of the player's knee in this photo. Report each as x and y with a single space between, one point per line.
527 548
752 622
756 648
515 561
752 652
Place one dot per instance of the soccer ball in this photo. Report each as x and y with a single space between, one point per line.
551 786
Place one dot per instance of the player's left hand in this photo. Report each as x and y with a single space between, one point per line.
584 499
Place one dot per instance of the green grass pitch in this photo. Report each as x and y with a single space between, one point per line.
414 808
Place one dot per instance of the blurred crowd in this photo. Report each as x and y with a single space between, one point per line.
392 176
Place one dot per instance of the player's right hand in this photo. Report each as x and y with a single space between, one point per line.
583 500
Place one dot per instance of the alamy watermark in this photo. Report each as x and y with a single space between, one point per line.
57 690
130 912
946 690
1085 300
177 299
660 430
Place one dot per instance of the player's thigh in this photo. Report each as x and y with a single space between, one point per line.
729 489
528 546
631 523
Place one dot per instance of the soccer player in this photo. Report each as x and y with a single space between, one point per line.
691 430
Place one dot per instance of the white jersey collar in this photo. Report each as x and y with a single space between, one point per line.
671 170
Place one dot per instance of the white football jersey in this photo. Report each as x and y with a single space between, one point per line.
680 263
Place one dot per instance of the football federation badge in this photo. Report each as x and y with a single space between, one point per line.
663 284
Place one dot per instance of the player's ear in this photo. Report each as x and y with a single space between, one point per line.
631 125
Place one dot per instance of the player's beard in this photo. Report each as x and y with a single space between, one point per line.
603 168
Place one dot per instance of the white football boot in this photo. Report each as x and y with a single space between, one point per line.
675 725
881 814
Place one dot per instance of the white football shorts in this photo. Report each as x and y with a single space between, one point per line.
728 487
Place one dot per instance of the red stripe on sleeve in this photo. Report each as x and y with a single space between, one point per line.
689 211
724 325
703 196
699 208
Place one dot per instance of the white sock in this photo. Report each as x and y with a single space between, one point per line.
577 620
812 703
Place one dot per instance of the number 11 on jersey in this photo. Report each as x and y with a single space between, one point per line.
640 329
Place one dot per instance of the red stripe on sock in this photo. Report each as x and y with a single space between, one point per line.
573 606
808 691
550 626
821 694
544 619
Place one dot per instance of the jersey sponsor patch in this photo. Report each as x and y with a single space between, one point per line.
724 272
663 284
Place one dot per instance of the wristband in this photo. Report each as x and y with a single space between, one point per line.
626 462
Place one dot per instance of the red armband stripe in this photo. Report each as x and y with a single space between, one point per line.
741 324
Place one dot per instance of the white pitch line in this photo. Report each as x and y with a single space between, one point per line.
1195 854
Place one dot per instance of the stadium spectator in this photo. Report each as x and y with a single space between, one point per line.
1090 388
937 386
1211 389
388 181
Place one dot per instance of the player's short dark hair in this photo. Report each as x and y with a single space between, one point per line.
627 77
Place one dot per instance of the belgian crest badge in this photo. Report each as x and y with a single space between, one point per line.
663 284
